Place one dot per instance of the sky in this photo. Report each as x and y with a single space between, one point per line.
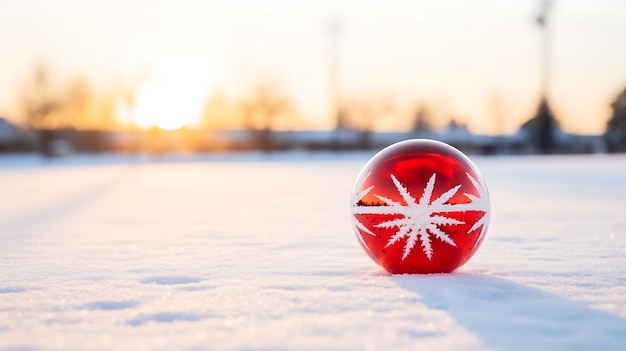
475 60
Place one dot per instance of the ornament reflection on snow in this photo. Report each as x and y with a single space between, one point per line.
420 206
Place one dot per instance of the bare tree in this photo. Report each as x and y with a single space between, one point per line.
48 106
498 107
262 111
422 120
40 101
363 115
220 112
41 106
79 101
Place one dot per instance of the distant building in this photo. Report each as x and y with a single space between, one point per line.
10 136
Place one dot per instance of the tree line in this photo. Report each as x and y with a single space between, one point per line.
46 106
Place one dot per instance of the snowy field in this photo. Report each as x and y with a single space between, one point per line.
253 252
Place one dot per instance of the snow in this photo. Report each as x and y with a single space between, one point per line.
256 252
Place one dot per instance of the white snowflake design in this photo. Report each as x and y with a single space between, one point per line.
421 219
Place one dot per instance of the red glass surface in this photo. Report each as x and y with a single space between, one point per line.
420 206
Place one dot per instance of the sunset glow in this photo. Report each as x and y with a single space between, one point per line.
477 61
174 94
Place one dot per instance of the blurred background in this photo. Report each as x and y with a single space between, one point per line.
487 76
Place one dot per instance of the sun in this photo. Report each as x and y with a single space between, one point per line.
174 95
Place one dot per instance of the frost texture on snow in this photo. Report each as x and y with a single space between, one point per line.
423 218
122 253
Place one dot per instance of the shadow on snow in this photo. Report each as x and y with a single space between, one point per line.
164 317
509 315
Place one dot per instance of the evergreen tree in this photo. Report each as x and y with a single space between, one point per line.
616 126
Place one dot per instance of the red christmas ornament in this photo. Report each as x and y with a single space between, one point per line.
420 206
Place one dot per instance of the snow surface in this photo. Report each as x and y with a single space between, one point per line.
256 252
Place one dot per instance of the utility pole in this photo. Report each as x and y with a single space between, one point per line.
335 29
545 121
545 47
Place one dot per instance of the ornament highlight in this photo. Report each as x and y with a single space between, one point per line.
420 206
